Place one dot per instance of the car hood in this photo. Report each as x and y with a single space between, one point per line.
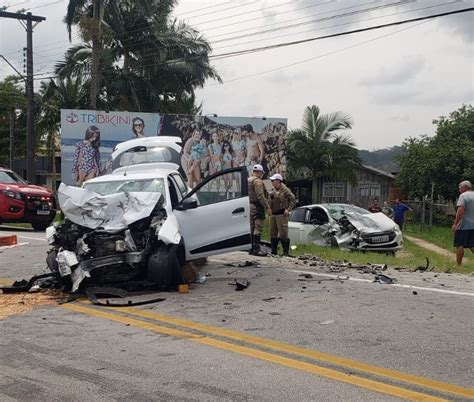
112 212
28 189
370 223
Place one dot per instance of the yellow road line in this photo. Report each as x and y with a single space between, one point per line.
328 358
258 354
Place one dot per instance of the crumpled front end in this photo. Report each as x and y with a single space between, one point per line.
107 239
370 232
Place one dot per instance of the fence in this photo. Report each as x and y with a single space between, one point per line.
426 212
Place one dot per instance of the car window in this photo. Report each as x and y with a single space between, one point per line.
318 215
180 183
10 178
221 188
298 215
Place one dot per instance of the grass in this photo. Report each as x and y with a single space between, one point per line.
411 256
440 235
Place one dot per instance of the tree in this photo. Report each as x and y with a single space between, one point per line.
445 159
12 110
147 62
318 150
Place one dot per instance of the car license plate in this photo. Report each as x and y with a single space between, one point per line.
380 239
40 212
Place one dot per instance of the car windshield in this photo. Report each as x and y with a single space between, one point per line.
10 178
338 211
119 186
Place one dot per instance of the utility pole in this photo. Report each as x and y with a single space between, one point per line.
30 129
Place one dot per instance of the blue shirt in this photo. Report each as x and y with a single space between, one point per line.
399 211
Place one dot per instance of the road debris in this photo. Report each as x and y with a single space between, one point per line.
240 284
20 303
126 299
25 285
243 264
384 279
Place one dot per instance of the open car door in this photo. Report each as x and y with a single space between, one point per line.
214 217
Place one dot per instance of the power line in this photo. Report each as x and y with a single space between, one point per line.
331 17
285 44
260 10
298 42
225 9
319 56
205 8
337 25
293 19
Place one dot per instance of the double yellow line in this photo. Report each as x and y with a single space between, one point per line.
212 336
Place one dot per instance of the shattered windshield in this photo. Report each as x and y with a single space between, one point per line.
338 211
119 186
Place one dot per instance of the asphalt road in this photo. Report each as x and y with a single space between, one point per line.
335 336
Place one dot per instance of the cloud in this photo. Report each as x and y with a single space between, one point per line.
404 71
461 25
422 95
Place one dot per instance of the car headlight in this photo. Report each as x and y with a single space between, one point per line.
12 194
396 228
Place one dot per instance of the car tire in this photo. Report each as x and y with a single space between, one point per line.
40 226
164 268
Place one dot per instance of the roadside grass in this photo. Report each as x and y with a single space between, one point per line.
410 257
439 235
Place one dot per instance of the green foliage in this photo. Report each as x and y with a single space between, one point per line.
317 150
440 235
12 102
445 159
153 68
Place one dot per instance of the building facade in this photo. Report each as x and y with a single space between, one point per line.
371 183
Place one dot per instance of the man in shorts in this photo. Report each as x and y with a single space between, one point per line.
463 226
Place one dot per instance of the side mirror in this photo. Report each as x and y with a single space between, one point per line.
187 203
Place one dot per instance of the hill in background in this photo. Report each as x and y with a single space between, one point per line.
384 159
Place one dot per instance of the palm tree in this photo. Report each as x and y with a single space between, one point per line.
316 150
146 62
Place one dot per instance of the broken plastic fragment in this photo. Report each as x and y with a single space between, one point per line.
66 260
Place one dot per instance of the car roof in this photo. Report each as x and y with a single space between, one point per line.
159 174
327 205
163 140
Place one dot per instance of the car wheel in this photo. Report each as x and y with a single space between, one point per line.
164 268
40 226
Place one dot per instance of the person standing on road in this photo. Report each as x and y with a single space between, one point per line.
281 201
463 226
399 210
258 205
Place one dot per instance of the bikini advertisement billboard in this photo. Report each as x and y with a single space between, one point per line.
88 138
210 143
215 143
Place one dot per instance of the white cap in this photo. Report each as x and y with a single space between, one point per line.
276 176
258 168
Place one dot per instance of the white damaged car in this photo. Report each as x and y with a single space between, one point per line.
344 226
142 222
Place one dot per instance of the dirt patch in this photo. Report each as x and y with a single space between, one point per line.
431 246
20 303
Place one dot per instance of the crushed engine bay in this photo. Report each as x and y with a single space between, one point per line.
112 239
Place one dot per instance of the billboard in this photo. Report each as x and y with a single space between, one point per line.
210 143
215 143
89 136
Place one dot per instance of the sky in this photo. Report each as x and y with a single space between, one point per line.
393 81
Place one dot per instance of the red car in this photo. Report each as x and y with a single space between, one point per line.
23 202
